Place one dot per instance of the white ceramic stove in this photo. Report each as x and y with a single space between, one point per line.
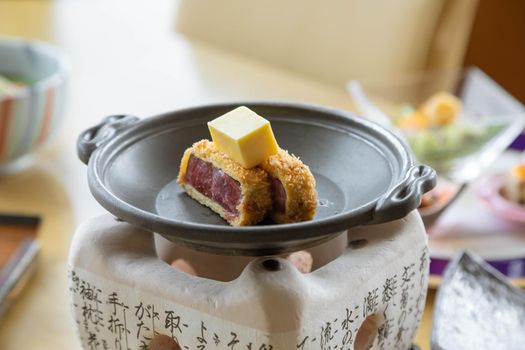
367 288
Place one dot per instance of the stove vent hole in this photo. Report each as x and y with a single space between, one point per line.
163 342
367 333
272 265
358 243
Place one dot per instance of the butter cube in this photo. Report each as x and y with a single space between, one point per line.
243 135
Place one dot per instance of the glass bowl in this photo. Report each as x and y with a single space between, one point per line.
490 119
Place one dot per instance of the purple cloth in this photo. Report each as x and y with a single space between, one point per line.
519 143
514 268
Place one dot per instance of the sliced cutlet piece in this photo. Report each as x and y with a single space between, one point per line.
240 196
293 188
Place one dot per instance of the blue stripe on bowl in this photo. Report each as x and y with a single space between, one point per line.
59 107
31 121
17 128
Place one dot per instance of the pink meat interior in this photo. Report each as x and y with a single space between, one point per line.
214 184
278 195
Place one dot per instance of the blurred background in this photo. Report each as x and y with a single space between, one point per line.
148 57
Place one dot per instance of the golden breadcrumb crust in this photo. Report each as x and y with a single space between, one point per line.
255 185
298 183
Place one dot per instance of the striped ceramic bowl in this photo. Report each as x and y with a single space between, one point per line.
30 110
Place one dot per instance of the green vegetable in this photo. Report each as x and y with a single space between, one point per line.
441 147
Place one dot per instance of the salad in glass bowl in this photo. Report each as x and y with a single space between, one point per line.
441 134
455 121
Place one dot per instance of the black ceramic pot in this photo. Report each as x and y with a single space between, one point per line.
364 175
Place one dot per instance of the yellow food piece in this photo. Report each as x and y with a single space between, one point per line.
441 109
414 120
244 136
519 172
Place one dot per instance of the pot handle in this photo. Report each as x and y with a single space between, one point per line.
406 196
91 139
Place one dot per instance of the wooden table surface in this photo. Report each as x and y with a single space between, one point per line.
126 58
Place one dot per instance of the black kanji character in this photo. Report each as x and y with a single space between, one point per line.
93 341
141 325
234 341
216 339
172 322
370 302
139 311
114 300
326 336
202 339
389 289
302 344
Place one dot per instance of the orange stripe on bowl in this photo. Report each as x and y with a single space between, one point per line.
46 119
6 107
